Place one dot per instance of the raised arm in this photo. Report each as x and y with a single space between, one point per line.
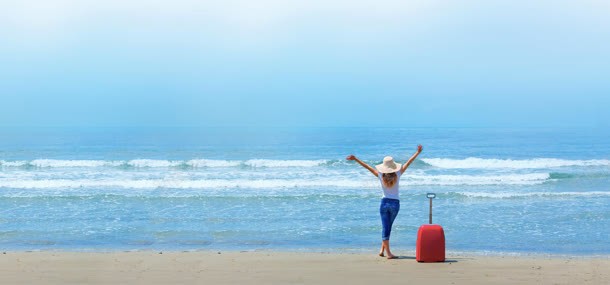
371 169
404 166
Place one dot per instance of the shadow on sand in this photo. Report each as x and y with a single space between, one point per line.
404 257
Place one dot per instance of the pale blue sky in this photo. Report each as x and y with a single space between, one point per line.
421 63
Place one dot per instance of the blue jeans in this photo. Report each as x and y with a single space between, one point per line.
388 210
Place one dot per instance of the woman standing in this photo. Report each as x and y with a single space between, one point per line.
389 173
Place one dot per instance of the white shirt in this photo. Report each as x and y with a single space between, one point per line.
391 192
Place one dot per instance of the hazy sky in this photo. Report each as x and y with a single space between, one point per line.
305 63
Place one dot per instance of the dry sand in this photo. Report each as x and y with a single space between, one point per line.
205 267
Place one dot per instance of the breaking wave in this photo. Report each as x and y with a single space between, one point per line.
508 195
411 180
157 163
536 163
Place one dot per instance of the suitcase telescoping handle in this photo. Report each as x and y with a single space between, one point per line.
431 196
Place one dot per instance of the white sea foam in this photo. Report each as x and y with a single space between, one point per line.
322 182
510 179
446 163
506 195
283 163
536 163
72 163
17 163
152 163
200 163
177 184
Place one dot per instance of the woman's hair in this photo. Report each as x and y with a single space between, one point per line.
389 179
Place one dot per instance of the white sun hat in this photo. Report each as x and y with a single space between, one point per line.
388 165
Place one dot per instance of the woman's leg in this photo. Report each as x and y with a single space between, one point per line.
387 218
386 245
391 211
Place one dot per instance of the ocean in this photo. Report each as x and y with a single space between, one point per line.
499 190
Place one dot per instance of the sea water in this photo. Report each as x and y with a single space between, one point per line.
498 190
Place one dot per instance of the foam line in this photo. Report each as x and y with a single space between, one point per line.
536 163
412 180
158 163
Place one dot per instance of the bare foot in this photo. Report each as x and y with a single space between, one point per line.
391 256
381 254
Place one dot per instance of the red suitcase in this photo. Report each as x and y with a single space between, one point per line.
430 246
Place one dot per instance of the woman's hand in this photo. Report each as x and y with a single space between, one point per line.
368 167
413 157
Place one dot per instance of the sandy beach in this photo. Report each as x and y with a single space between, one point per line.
207 267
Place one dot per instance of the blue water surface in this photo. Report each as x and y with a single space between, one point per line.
499 190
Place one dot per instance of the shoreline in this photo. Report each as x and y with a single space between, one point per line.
282 267
457 253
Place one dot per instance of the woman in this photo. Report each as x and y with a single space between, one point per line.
388 173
